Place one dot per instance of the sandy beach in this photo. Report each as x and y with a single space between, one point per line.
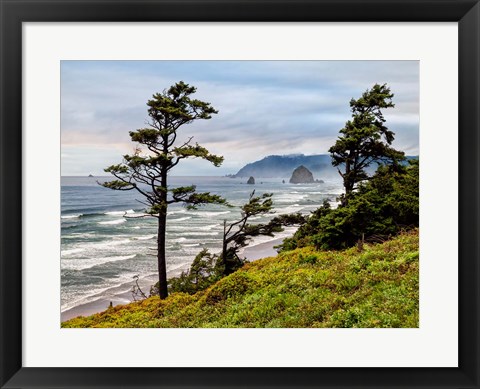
252 253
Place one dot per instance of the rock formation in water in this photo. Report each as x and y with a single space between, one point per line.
251 180
301 175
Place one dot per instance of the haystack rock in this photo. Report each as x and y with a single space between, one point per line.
251 181
301 175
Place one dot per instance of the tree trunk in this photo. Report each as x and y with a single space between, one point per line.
224 243
162 228
347 183
162 263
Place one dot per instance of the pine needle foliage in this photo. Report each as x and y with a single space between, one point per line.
147 169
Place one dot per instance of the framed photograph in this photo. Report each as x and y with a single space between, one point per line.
239 194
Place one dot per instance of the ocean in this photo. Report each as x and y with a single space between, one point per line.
106 239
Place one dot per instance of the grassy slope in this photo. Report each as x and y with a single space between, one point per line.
377 287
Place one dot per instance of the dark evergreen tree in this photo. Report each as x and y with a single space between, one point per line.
365 139
147 173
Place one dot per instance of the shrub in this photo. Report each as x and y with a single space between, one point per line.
202 273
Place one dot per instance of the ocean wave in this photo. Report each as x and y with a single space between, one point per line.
80 213
191 245
79 235
209 227
113 222
119 213
66 253
79 264
289 198
71 216
175 212
146 237
192 233
192 228
212 213
137 216
178 240
93 248
181 219
291 209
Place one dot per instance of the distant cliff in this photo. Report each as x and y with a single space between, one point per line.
283 166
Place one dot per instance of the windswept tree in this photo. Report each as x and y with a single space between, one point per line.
239 233
365 139
146 171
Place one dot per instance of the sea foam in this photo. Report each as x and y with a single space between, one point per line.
112 222
71 216
83 264
66 253
119 213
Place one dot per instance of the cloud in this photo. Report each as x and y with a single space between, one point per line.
265 107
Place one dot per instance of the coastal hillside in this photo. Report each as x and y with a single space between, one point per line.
372 286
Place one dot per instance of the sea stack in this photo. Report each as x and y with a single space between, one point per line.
301 175
251 181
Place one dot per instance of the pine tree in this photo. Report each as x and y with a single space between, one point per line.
365 139
148 172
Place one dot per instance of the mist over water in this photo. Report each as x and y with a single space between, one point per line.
106 238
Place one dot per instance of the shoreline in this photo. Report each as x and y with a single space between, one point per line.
252 253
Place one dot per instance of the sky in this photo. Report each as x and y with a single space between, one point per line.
265 108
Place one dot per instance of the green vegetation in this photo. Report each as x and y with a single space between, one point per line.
375 286
380 208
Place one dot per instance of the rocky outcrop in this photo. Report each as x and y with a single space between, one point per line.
251 180
301 175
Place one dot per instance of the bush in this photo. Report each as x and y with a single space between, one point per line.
203 272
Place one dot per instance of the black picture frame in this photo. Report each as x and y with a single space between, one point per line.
15 12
